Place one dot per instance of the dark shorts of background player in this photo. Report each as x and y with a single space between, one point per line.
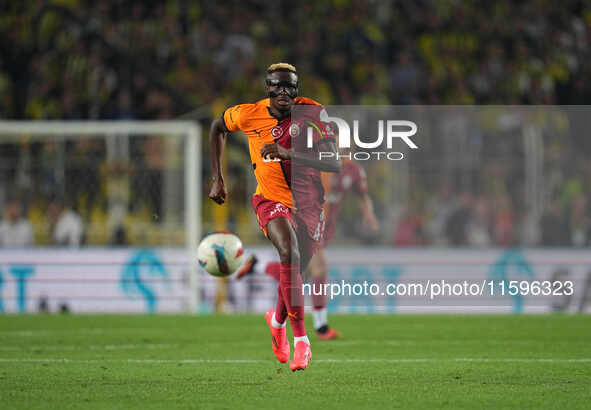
307 222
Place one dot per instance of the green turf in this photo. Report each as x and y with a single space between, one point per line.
405 361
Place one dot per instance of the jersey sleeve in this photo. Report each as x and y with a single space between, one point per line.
232 118
322 132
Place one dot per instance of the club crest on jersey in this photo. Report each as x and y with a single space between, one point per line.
294 130
276 132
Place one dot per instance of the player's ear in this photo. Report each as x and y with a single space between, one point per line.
267 83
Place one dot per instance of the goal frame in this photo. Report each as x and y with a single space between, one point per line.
192 131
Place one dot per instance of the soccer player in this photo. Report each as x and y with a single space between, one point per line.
351 179
287 173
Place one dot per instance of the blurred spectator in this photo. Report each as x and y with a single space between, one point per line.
457 224
405 79
148 181
118 236
579 224
409 231
440 208
156 60
455 52
83 173
478 228
65 225
124 109
503 222
15 230
554 227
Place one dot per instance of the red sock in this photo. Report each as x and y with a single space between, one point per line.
291 287
319 297
280 309
272 269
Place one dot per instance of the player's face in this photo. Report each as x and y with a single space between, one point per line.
282 87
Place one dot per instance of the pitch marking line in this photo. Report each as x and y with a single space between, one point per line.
126 346
250 361
93 330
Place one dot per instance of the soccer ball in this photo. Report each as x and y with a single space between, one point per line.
220 253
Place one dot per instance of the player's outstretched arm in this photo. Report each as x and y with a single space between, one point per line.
332 164
369 215
217 140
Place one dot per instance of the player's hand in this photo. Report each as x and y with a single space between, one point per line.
273 151
372 222
218 191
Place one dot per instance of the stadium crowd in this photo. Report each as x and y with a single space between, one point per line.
80 59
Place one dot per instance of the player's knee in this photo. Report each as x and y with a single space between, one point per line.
318 266
319 269
289 254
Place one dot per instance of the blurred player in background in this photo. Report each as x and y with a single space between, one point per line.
276 153
352 178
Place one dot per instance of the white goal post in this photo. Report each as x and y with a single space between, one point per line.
191 131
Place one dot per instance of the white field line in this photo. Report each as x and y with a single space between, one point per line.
337 343
148 346
401 342
92 330
337 361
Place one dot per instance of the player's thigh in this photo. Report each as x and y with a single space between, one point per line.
282 235
318 265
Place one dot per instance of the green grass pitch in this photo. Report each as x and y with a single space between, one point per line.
382 361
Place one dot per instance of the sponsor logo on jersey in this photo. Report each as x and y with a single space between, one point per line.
279 209
276 132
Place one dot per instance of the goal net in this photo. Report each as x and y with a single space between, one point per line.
134 184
